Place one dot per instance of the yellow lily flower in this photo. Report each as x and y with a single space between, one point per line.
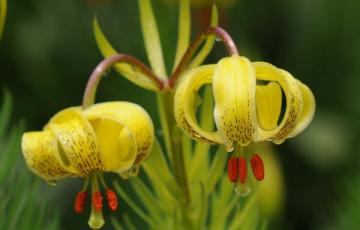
245 110
107 137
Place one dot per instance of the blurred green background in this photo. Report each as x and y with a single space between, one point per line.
48 51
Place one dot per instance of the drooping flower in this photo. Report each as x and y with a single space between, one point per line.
248 104
107 137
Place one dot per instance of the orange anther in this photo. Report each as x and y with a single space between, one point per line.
112 199
242 170
232 169
79 204
257 166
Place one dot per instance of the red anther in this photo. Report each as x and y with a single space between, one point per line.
79 204
232 169
97 201
257 166
242 170
112 199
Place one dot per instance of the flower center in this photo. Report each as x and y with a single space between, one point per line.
96 219
238 169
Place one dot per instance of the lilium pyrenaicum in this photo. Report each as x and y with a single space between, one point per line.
245 110
107 137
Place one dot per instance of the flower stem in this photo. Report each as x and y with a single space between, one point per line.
102 67
172 138
219 33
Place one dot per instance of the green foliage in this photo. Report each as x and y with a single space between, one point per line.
22 203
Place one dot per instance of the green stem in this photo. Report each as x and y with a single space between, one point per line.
219 33
102 67
172 137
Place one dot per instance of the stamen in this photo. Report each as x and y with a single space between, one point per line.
79 204
112 199
97 201
242 170
232 169
110 194
257 166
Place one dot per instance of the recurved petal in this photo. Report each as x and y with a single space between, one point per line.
185 100
77 140
308 110
268 105
138 131
294 101
234 93
42 155
117 144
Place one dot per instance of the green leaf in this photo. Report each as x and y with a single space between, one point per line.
200 159
184 30
19 190
8 157
2 16
216 169
148 198
210 41
151 38
129 224
117 226
128 71
136 208
5 111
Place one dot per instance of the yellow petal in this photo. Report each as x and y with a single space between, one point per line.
184 30
184 103
78 140
117 144
308 110
234 93
41 153
294 101
125 69
268 105
133 118
151 38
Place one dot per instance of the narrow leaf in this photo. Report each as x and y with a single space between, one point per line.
209 43
137 209
145 194
129 224
117 226
5 111
157 165
184 30
128 71
151 38
200 159
216 169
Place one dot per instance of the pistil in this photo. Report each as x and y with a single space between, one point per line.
96 219
111 196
